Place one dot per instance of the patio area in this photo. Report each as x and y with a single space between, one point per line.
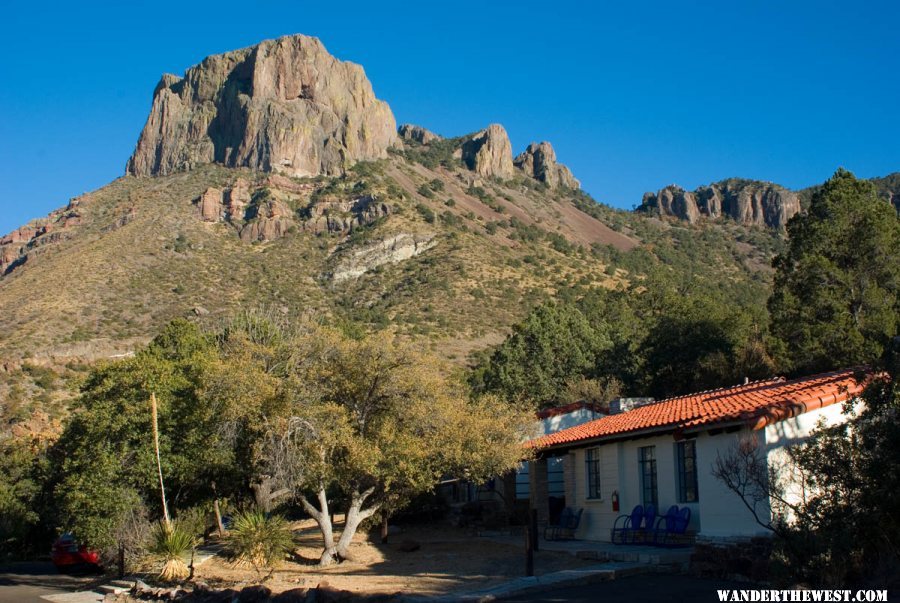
673 559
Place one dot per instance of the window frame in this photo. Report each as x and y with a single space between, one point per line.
687 479
647 465
593 489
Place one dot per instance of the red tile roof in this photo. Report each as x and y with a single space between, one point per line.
755 404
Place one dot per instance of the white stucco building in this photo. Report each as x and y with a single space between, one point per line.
663 452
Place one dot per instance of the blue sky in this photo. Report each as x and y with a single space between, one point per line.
633 95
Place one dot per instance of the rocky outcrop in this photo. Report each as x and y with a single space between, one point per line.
267 220
672 201
284 105
391 250
17 246
409 132
236 199
210 205
539 162
336 215
749 202
488 153
228 205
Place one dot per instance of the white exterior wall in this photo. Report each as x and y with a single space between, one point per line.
719 513
786 433
598 515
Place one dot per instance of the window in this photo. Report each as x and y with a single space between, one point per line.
648 476
687 471
592 464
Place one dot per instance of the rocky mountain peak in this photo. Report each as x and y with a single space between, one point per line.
488 152
749 202
284 106
539 162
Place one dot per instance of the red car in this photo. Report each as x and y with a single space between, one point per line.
67 553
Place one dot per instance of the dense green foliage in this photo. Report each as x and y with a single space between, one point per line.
104 462
655 340
371 413
836 301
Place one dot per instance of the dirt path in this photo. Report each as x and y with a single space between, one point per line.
447 560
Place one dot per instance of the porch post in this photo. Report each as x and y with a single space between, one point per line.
540 496
509 492
569 479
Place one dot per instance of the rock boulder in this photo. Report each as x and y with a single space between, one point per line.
539 162
488 153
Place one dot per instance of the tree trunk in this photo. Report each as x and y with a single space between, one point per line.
323 519
264 495
384 528
355 516
219 524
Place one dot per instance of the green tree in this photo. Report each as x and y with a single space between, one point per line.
554 343
377 423
104 461
23 468
836 299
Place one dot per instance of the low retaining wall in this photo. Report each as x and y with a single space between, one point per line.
736 559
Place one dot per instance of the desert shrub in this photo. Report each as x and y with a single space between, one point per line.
196 520
259 539
172 543
426 213
425 191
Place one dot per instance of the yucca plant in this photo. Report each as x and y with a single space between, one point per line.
172 543
259 539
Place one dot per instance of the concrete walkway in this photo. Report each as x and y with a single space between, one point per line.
523 586
617 561
661 559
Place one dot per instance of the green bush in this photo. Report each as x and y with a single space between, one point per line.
425 212
425 191
259 539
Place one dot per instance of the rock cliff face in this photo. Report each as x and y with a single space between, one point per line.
284 105
343 215
391 250
746 201
488 153
17 246
265 213
417 134
539 162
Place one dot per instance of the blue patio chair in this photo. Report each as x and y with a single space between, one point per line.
670 528
646 533
630 523
565 528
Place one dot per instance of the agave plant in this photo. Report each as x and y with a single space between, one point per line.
259 539
172 542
